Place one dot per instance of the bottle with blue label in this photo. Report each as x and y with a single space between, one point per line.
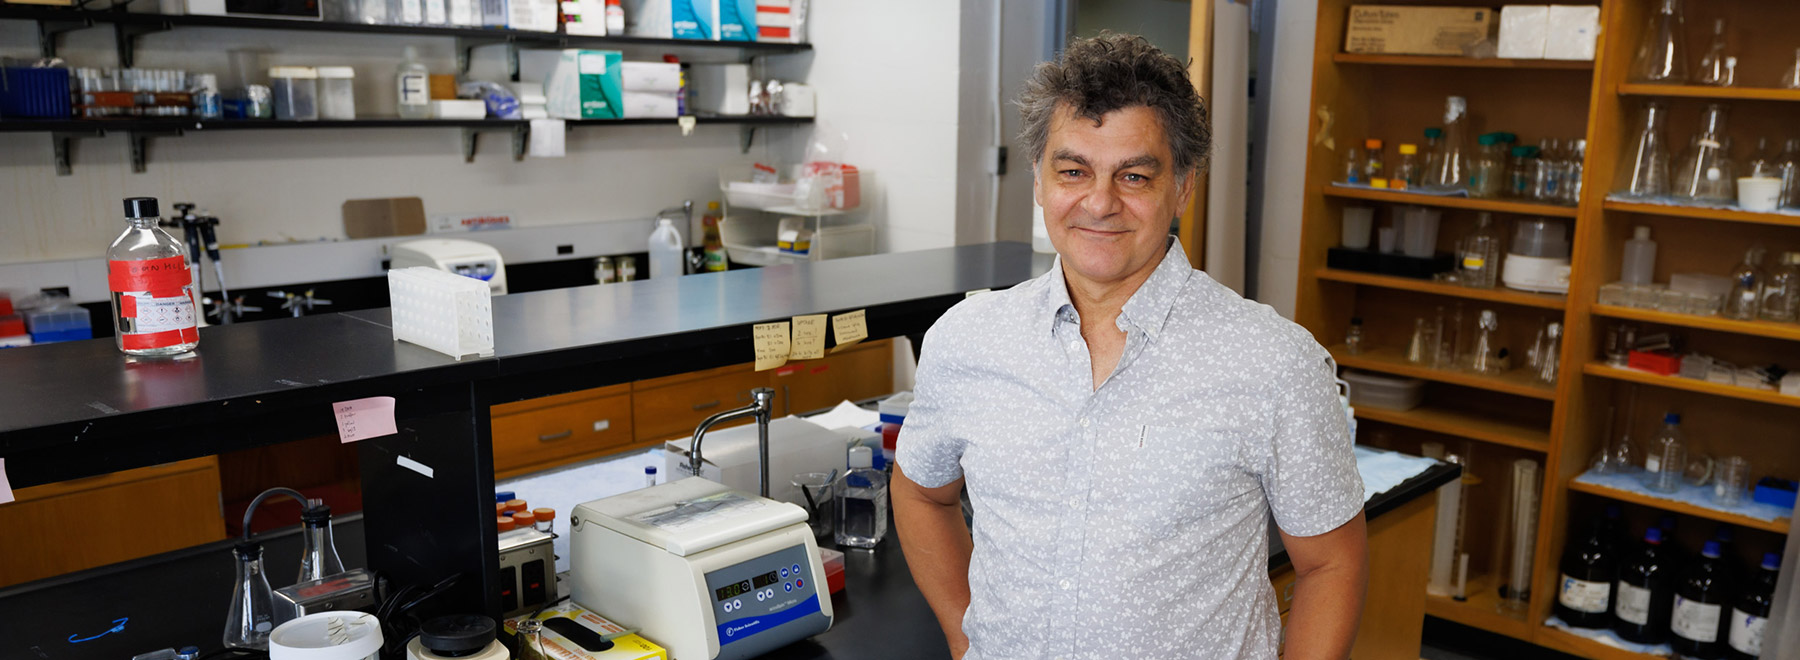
1698 618
862 511
1752 611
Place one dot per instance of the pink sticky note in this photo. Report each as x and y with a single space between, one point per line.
5 487
364 418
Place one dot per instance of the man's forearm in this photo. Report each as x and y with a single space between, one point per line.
938 546
1327 608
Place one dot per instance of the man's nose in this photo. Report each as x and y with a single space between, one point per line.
1103 200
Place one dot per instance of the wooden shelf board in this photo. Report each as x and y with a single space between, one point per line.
1691 385
1461 62
1497 294
1481 610
1419 199
1788 331
1779 526
1701 92
1567 642
1703 213
1517 382
1462 425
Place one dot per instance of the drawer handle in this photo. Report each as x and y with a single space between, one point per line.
710 404
556 436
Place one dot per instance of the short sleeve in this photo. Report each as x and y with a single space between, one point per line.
929 450
1311 479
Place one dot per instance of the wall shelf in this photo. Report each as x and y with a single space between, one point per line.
1461 62
1440 201
1788 331
1496 295
1517 382
1720 93
1703 213
1691 385
1567 642
1777 526
1450 421
1481 610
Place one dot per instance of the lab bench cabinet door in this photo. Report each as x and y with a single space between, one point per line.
73 525
670 407
863 372
543 433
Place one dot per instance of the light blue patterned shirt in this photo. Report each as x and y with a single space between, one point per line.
1129 521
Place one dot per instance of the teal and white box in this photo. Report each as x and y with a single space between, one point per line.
673 19
737 20
585 84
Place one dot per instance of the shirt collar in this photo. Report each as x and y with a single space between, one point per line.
1149 307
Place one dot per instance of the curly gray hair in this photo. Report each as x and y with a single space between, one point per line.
1111 72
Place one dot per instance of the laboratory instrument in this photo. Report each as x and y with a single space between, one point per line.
1644 593
458 637
251 616
862 502
1717 69
1538 259
1751 612
1452 168
1781 290
467 258
1523 506
527 569
203 240
1698 615
1745 298
1589 569
1662 57
347 590
151 286
328 636
1638 265
1648 173
1480 258
412 83
1707 172
1668 457
705 570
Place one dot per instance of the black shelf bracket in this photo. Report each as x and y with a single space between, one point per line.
521 136
465 53
63 143
48 31
125 37
140 147
748 132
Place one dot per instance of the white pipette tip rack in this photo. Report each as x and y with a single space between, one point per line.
444 312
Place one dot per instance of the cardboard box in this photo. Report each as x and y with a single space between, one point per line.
1523 29
737 20
1406 30
584 84
1574 32
556 647
673 19
719 88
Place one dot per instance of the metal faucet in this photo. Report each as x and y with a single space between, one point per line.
762 404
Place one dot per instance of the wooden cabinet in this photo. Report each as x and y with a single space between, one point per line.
539 433
672 406
74 525
861 372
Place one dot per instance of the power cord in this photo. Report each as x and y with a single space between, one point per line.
398 625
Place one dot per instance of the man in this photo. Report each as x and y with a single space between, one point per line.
1124 424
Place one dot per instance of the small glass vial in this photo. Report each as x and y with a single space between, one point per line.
251 617
862 511
1407 173
152 287
649 476
1353 339
524 520
1353 167
1372 165
627 268
543 517
603 271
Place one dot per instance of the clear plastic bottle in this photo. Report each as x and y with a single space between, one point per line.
1746 288
615 18
1638 264
1662 57
1452 167
1484 357
1789 166
1486 174
665 251
1648 173
716 260
1707 172
1352 169
1547 176
1353 338
1716 65
1521 175
1407 172
1573 169
1667 459
1480 258
1431 153
413 85
862 511
152 287
318 552
252 616
1372 160
1781 291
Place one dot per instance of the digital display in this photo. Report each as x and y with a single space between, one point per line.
746 586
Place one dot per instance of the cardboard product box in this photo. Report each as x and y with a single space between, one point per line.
719 88
1523 30
533 15
1407 30
646 105
1574 32
673 19
584 84
737 20
556 647
493 13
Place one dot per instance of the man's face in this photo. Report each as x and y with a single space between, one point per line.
1108 192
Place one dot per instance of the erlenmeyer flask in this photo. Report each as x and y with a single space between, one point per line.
318 554
1662 58
1791 78
1790 174
1716 68
1762 164
1483 353
251 616
1549 354
1649 169
1707 171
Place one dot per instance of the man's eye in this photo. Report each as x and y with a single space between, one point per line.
1136 178
1071 174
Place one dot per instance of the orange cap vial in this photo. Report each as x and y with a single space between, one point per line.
504 523
1372 143
544 514
524 519
516 505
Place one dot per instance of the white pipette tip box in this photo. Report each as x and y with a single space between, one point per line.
444 312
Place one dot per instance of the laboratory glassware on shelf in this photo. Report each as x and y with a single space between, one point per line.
1648 174
1746 288
1480 254
1790 79
1668 457
1575 168
1353 337
1707 172
1486 174
1407 172
1789 166
1521 172
318 554
1637 265
1549 354
1452 168
1372 161
1353 167
1662 56
1781 291
1430 154
1484 350
1421 348
1717 69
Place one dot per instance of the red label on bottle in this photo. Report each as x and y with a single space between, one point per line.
162 339
156 309
158 277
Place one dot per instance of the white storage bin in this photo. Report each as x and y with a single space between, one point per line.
337 92
1369 390
296 91
447 313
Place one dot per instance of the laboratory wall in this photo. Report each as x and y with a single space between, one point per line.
888 75
1288 90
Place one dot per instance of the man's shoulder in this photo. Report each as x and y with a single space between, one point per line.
989 312
1220 311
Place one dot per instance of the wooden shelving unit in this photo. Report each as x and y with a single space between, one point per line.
1367 97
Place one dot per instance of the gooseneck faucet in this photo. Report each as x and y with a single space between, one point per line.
761 405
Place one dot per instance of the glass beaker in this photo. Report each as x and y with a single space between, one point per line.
1707 172
1662 57
1731 477
252 615
1649 170
318 554
819 489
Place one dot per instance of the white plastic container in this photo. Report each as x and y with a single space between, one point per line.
337 92
665 251
1369 390
296 91
1639 261
311 637
444 312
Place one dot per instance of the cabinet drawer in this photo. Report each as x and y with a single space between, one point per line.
541 436
863 372
671 407
121 516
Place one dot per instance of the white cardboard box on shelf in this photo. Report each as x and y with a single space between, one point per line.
719 88
1574 32
1523 30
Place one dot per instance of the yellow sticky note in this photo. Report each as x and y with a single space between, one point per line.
809 337
849 329
771 344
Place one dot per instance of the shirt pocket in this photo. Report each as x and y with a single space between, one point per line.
1182 476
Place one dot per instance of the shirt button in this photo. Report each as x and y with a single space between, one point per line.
1084 422
1065 584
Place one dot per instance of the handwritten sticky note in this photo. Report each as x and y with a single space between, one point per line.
771 344
6 494
361 419
809 337
849 329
